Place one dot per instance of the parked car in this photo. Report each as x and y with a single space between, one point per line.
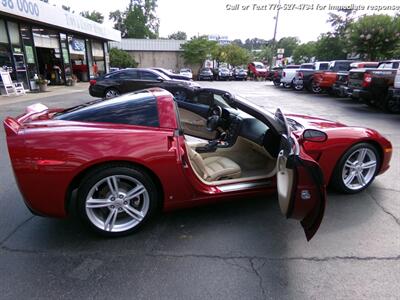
239 74
128 80
256 70
276 79
372 85
205 74
323 81
392 104
271 73
186 72
115 162
340 87
172 75
223 74
304 76
288 73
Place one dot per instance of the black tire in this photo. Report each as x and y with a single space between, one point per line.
315 88
298 87
277 82
391 105
111 93
337 181
128 172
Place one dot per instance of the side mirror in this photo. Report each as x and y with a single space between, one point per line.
313 135
160 79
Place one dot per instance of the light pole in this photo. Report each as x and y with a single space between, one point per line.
276 27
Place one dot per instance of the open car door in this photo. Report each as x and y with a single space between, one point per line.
300 183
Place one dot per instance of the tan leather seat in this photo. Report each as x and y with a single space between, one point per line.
213 168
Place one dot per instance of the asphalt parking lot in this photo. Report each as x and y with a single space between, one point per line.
237 250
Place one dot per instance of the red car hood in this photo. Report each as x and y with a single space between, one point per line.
314 122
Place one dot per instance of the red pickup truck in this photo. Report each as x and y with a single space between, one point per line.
323 81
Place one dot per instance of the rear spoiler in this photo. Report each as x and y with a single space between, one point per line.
12 125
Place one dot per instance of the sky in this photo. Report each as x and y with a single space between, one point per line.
253 18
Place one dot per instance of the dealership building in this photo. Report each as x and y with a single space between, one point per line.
38 39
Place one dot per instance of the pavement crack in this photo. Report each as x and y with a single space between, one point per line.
3 241
260 279
397 220
230 259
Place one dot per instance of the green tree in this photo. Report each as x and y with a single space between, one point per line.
94 16
330 47
236 55
139 20
266 54
374 37
198 49
121 59
289 44
179 35
341 20
304 52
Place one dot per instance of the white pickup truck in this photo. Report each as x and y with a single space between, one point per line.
393 99
288 74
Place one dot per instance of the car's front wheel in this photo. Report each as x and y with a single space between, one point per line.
111 93
356 169
117 199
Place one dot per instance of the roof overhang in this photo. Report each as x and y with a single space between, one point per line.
44 13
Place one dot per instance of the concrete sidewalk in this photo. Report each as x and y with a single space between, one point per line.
52 91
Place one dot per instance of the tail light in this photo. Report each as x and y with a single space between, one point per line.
92 81
284 74
300 75
276 74
367 80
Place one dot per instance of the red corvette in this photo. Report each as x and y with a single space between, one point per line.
125 157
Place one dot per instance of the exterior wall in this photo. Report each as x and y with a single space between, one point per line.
163 59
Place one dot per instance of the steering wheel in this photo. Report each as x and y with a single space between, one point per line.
214 117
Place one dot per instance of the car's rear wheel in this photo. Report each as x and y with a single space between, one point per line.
111 93
316 89
277 82
117 199
391 105
356 169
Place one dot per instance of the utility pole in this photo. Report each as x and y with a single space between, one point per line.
276 27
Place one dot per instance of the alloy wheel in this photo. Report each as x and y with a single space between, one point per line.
111 93
359 169
117 203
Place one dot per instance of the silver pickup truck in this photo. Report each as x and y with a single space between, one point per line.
393 100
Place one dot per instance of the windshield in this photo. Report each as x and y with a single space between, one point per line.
186 70
260 66
307 66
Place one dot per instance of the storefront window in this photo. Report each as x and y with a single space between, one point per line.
48 51
106 57
5 55
20 72
98 59
30 56
65 55
77 51
90 58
